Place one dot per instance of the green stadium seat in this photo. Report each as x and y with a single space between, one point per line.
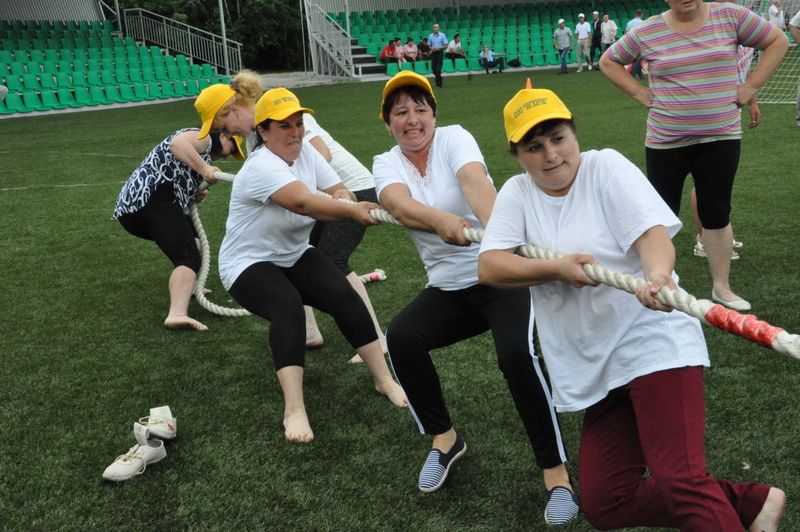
82 97
154 89
191 87
98 96
167 89
94 78
135 75
14 103
184 72
169 60
14 83
79 79
6 56
50 100
63 80
93 64
148 75
121 75
36 55
65 65
160 74
208 70
93 53
140 91
47 81
107 63
50 67
113 95
30 82
392 69
179 88
172 72
32 101
127 94
107 77
181 60
197 72
18 69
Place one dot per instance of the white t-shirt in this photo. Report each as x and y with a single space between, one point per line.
259 230
353 174
608 30
775 15
448 267
595 339
454 47
582 30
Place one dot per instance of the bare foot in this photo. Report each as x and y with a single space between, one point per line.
314 340
183 322
393 391
771 513
298 428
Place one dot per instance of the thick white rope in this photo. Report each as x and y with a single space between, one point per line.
747 326
205 261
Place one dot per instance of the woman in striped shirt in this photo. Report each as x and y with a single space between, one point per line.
694 121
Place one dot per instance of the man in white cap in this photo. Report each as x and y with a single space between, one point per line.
583 32
562 41
596 36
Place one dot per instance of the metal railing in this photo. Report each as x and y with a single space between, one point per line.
331 52
175 36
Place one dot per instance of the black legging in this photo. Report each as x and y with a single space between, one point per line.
278 295
713 166
438 318
163 221
338 240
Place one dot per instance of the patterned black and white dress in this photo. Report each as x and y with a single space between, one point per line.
160 167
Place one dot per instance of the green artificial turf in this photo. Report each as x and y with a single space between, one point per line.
83 353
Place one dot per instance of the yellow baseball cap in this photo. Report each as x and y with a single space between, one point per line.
238 153
529 108
403 79
278 104
209 102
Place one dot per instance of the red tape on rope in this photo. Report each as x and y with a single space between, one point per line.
745 325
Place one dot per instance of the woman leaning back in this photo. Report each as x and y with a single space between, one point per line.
435 182
152 203
268 265
634 366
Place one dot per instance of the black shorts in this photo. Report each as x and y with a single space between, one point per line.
163 221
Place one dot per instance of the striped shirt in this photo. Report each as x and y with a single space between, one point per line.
693 76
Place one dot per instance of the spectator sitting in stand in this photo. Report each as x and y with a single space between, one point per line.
454 50
387 54
424 49
489 59
411 52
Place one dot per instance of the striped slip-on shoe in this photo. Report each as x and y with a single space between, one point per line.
436 467
562 506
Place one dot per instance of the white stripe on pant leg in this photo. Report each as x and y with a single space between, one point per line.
408 401
543 383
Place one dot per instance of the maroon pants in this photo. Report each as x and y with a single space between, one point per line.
656 423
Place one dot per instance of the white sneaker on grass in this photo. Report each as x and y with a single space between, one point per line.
161 423
700 251
136 460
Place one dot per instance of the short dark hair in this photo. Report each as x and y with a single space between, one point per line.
456 36
542 128
265 126
417 95
639 12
